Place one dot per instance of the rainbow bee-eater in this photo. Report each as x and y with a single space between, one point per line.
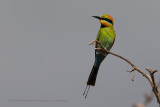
106 36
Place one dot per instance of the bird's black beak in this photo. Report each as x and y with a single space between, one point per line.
97 17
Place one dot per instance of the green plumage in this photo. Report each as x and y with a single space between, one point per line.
106 37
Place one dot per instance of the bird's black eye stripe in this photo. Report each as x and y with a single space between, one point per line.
108 20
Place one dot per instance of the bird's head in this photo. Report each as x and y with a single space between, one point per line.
105 20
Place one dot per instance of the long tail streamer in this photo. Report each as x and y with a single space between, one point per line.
86 91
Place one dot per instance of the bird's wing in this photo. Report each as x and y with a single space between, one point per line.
112 36
97 38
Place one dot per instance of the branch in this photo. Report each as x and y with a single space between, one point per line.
135 68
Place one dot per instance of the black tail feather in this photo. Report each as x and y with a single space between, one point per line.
86 91
93 76
91 79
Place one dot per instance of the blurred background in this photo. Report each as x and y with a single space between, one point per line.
45 59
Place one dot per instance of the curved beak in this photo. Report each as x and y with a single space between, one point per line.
97 17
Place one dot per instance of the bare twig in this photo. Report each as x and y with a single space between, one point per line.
134 67
154 88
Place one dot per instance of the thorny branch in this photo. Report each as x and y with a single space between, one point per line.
135 68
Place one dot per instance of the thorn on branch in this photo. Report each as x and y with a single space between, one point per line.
133 69
154 71
133 76
149 70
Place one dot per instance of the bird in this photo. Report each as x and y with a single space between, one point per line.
106 36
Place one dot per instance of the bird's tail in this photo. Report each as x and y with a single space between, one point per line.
91 79
93 76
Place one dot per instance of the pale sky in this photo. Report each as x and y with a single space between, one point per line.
44 52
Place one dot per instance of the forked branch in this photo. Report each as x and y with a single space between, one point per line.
150 78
